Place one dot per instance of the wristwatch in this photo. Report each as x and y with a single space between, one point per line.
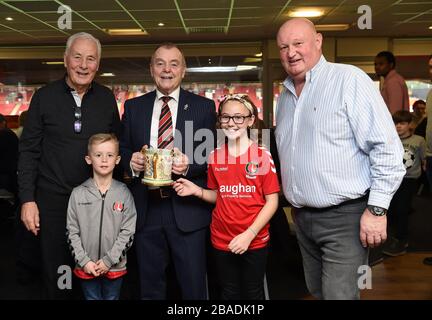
377 211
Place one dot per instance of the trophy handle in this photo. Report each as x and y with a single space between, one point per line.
155 160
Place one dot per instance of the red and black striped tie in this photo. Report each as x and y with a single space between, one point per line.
165 132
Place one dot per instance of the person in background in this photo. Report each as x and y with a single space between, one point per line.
61 118
8 158
243 183
341 161
419 123
394 89
101 231
21 121
428 260
414 156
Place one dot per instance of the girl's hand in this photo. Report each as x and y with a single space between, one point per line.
240 243
184 188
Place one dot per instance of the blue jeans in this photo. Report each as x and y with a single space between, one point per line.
332 253
101 288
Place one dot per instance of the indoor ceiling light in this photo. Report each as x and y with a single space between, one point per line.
306 13
52 62
126 32
332 27
258 54
251 60
221 69
430 27
161 24
9 18
245 67
107 74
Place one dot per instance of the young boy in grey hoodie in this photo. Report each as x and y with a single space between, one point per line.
101 223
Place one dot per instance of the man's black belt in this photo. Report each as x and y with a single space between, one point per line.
348 202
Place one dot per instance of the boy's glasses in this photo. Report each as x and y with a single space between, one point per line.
237 119
77 122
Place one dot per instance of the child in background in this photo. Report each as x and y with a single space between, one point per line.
242 181
400 206
101 223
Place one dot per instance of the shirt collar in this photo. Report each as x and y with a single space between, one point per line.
174 95
310 75
69 89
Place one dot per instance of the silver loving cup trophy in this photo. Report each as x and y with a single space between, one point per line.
157 166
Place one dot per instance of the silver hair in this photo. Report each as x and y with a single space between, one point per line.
83 35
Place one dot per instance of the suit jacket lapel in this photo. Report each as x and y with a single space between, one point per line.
181 114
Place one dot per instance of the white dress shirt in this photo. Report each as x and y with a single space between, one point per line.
337 139
157 108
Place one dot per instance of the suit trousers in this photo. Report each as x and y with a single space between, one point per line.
159 241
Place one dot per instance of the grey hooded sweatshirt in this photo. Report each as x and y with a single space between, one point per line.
101 226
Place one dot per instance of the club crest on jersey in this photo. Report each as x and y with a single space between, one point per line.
118 206
251 169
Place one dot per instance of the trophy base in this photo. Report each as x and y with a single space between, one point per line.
155 183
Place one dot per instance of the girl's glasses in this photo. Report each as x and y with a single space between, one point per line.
237 119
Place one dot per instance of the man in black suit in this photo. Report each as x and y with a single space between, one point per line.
167 225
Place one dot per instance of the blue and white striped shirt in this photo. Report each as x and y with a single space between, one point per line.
337 140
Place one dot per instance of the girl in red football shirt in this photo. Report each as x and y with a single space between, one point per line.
242 181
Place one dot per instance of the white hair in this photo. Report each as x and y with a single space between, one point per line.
83 35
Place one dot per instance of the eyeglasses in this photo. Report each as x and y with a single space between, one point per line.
77 122
237 119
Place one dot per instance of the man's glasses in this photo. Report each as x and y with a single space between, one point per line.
237 119
77 122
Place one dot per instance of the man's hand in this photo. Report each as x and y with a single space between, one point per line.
373 229
137 161
30 217
180 162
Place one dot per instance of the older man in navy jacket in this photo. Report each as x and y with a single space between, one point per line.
168 225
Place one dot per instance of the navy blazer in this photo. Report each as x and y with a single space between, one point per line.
190 213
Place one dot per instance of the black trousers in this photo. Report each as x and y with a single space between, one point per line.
241 276
53 242
400 207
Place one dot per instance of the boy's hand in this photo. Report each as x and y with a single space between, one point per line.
184 188
101 267
240 243
90 268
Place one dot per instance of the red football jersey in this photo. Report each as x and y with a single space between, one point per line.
242 183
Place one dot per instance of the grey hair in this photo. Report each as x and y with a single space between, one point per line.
83 35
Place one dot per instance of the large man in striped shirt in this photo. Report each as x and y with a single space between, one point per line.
341 161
